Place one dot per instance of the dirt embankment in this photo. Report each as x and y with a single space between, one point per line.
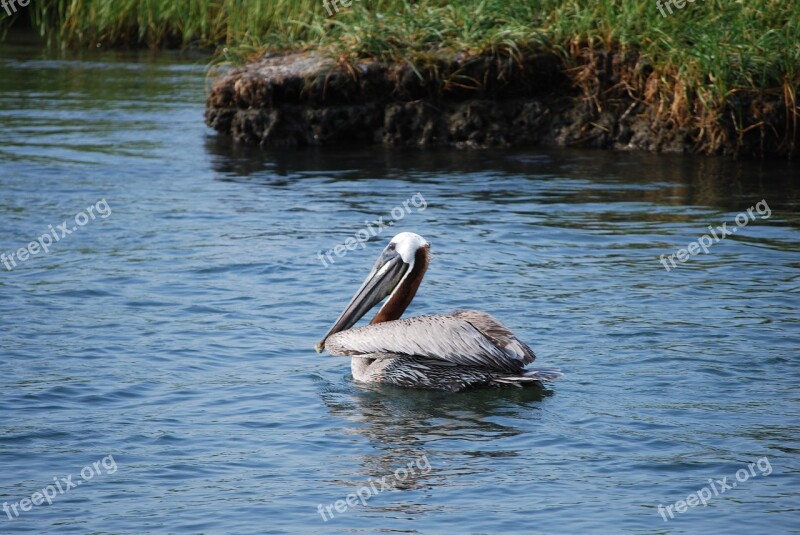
606 100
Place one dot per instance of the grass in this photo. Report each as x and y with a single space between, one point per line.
702 56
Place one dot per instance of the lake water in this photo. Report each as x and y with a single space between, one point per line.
161 354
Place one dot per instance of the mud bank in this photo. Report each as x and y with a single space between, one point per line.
605 100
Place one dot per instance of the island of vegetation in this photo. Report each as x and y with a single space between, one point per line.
702 76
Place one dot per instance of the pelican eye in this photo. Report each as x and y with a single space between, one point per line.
390 247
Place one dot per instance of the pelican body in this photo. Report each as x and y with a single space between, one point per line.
443 351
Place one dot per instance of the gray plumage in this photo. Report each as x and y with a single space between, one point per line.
443 351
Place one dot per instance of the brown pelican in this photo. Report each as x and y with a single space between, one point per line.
443 351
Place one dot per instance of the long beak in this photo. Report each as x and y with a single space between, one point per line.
387 273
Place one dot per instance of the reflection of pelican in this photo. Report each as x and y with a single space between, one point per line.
452 431
444 351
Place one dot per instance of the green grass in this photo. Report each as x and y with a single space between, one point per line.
701 55
745 43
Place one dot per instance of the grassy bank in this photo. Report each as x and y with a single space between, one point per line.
695 59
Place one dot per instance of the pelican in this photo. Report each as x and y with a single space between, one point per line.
443 351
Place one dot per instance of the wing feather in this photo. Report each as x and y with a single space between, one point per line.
466 337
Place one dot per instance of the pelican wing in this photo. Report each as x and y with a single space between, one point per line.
465 337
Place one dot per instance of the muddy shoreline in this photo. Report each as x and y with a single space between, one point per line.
607 100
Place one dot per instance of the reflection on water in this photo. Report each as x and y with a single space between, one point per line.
403 427
687 181
177 336
398 417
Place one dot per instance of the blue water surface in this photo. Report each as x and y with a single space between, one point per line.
170 338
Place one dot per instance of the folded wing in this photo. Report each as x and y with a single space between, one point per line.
465 337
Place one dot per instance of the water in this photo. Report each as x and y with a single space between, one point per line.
171 341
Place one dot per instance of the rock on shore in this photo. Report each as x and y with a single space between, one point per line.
306 98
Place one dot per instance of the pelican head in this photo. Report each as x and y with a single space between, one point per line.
397 272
